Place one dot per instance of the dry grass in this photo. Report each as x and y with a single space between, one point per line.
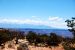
18 47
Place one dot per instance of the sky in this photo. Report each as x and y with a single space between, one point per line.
36 13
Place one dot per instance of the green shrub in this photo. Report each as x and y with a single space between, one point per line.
22 47
10 46
67 46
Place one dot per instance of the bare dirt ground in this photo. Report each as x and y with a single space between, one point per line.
46 48
37 48
14 47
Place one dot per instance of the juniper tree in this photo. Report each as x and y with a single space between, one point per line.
71 25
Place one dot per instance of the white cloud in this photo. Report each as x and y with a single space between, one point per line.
56 22
55 18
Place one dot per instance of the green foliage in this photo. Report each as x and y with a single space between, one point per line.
71 25
31 37
22 47
67 46
10 46
7 35
68 41
4 36
19 35
52 40
43 38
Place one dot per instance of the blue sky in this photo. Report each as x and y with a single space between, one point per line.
36 13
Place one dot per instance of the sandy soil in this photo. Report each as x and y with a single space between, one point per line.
46 48
14 47
38 48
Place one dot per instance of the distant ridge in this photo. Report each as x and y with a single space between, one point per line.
26 26
62 32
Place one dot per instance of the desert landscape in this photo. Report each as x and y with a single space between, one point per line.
37 24
22 41
17 40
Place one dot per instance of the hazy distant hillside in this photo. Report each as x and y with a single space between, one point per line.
40 29
63 32
5 25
